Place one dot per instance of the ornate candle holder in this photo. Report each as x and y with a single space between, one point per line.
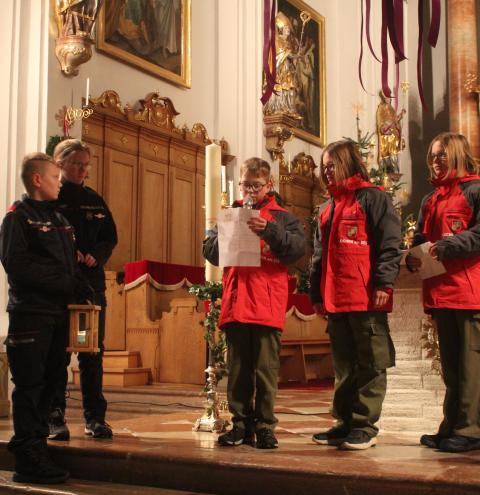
224 201
72 51
211 420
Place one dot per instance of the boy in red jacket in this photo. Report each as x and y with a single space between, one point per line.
450 218
254 303
355 262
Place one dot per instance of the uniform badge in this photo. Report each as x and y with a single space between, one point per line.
352 231
99 215
456 224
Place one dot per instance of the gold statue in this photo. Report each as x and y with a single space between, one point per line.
283 99
389 130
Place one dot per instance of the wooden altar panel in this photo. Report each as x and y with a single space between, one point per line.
115 314
153 210
95 175
182 218
120 192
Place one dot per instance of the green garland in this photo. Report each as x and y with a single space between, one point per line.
212 292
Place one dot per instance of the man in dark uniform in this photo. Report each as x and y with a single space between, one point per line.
96 236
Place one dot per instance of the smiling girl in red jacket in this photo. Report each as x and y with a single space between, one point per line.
355 262
450 218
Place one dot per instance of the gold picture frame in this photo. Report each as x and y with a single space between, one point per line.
306 66
157 41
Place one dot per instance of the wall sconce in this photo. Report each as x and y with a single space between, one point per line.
74 43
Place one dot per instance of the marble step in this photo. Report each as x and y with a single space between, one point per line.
82 487
121 377
410 425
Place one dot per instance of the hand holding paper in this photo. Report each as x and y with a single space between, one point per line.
427 254
238 245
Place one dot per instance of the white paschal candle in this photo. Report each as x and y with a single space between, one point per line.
213 166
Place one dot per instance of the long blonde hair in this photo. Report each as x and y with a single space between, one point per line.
459 155
346 159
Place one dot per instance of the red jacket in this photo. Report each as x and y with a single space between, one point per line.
450 217
356 249
259 295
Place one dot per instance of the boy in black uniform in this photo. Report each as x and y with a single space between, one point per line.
37 251
96 236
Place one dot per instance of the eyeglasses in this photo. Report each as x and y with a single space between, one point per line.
79 164
330 166
442 156
252 186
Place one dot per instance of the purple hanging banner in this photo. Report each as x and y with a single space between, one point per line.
269 50
367 29
393 15
385 86
435 23
420 54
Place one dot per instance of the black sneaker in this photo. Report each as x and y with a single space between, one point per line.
333 436
58 426
33 465
236 436
98 429
358 440
459 443
431 441
266 439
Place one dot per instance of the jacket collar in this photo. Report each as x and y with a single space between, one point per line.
350 184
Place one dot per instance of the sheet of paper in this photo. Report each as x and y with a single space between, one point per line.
430 267
237 244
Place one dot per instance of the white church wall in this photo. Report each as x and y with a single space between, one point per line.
195 104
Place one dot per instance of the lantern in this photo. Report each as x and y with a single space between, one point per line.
83 328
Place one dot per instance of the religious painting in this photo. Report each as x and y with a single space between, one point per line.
300 80
151 35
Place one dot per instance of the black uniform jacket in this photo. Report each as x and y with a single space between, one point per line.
95 230
37 251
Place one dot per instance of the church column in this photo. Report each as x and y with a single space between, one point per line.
24 62
463 60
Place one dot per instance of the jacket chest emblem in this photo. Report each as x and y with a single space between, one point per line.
456 224
89 215
352 231
42 226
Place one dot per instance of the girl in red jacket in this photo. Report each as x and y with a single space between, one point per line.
449 218
355 262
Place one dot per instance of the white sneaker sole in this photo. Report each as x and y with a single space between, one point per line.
332 441
359 446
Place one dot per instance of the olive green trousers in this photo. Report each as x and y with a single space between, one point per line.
362 350
459 342
253 365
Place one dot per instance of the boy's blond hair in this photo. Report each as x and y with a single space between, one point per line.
459 155
257 167
34 163
68 147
